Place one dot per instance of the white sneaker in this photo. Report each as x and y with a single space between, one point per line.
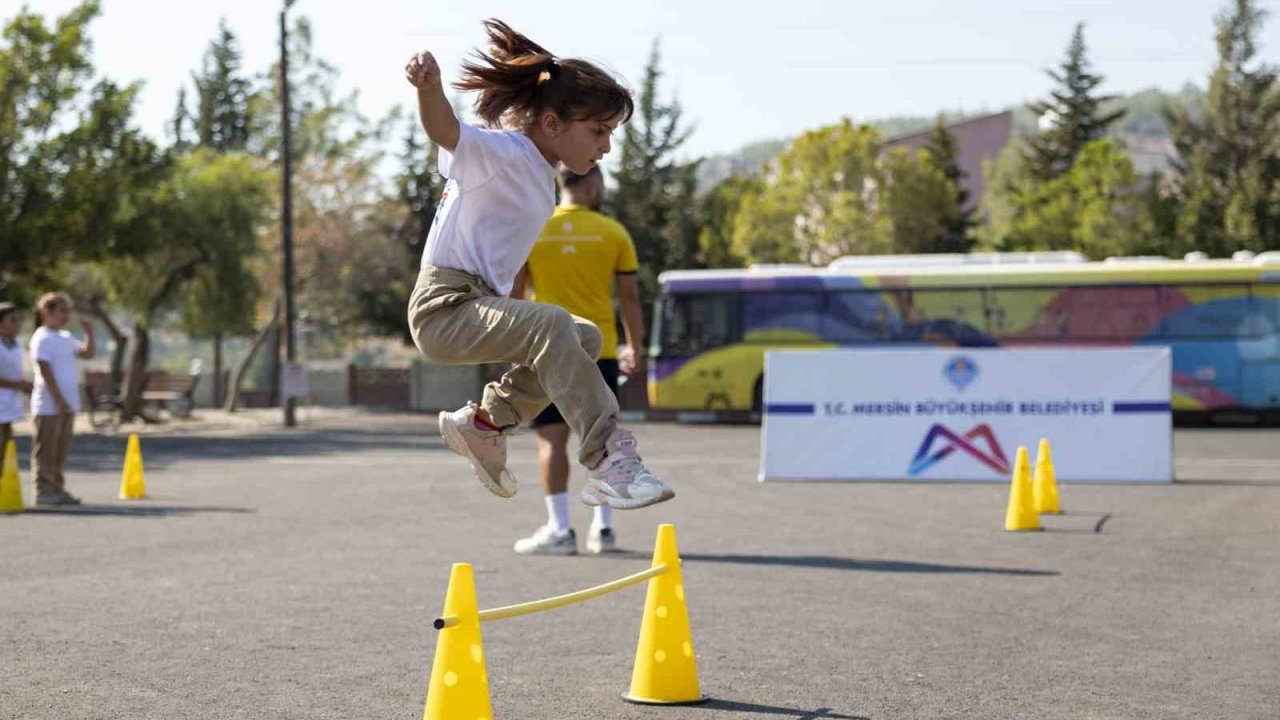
486 450
621 480
546 541
601 540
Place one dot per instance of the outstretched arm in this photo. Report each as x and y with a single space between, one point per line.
437 115
90 346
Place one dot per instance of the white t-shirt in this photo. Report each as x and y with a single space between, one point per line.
58 348
500 193
11 408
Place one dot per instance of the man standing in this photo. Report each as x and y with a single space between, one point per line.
575 264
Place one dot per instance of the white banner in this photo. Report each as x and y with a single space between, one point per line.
960 414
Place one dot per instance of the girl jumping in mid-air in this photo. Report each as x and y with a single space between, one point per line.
499 195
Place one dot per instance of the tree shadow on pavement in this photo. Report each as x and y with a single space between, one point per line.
145 511
795 713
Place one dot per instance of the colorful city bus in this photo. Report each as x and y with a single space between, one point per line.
1220 317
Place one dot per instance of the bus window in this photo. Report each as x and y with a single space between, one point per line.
781 315
856 316
954 317
692 324
963 306
1035 314
1211 311
1113 313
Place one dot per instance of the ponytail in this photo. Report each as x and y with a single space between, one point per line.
518 80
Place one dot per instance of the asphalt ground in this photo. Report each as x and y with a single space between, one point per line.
295 574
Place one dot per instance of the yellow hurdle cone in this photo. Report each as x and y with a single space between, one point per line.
1045 486
459 687
1021 514
10 482
666 671
132 485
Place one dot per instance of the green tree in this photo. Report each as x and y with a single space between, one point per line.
1095 208
1229 155
1073 114
220 301
223 118
201 221
70 164
821 199
956 233
179 123
920 201
418 186
654 193
718 208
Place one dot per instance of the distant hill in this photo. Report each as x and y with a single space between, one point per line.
1143 129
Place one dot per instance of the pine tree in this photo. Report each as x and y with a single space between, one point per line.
222 124
956 233
181 119
223 118
1229 154
1073 114
654 195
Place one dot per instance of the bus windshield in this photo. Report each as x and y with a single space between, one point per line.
688 325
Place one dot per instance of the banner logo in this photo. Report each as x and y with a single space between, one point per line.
961 371
926 457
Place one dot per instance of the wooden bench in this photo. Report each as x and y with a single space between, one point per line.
174 393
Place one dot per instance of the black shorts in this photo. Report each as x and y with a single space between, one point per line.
552 416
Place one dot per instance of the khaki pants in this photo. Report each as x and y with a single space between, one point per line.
456 319
49 450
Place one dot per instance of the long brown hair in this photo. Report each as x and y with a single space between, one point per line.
518 80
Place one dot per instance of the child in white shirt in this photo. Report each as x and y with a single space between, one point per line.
12 384
55 399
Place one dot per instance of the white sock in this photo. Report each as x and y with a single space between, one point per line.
603 517
558 511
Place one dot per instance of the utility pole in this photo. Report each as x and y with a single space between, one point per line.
286 219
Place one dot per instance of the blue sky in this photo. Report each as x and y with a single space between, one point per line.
744 70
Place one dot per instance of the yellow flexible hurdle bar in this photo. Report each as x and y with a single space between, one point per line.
551 603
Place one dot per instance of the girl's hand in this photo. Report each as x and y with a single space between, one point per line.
423 72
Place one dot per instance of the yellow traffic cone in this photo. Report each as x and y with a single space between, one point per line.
1021 514
132 486
459 686
10 483
1045 486
666 672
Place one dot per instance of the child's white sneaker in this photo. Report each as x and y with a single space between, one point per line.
486 450
546 541
621 480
